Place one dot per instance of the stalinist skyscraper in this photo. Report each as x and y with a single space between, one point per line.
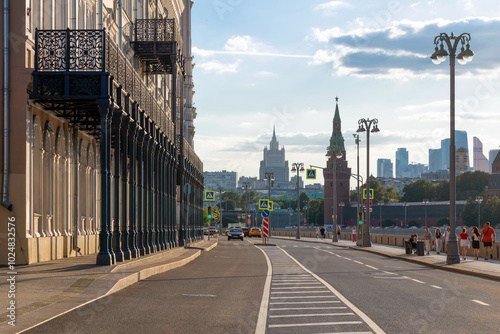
274 161
343 173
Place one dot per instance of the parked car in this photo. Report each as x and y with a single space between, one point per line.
213 230
235 233
255 232
245 231
205 230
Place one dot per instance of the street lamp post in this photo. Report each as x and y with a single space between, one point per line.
463 57
341 204
337 155
380 207
358 197
269 176
406 224
245 186
362 123
220 189
426 200
479 199
298 167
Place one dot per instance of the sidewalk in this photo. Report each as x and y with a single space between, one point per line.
486 269
45 290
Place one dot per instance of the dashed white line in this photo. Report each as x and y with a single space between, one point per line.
436 287
358 262
347 258
371 267
416 280
480 302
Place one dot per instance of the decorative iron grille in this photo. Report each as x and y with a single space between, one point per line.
155 30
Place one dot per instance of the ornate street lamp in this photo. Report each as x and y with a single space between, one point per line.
463 57
269 176
298 167
362 123
479 199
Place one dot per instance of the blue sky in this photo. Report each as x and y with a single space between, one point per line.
264 63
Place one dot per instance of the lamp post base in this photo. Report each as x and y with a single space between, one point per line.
452 257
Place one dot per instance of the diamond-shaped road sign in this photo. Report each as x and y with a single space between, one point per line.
209 195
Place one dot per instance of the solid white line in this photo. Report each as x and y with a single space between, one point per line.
416 280
264 303
437 287
308 315
305 292
308 308
388 277
296 287
318 324
371 267
306 283
296 303
303 297
358 262
363 316
480 302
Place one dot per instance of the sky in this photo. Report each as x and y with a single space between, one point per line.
281 63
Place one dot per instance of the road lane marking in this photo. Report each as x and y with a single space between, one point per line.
292 292
308 315
371 267
416 280
197 295
297 303
296 287
307 283
436 287
303 297
308 308
358 262
388 277
264 303
480 302
347 258
318 324
363 316
388 272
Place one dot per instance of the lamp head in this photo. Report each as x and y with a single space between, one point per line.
465 56
293 169
375 129
361 128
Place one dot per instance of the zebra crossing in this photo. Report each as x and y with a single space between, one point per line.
301 302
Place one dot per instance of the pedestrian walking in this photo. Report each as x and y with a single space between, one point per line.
427 240
353 236
446 238
464 242
322 232
437 240
317 232
338 232
488 238
475 237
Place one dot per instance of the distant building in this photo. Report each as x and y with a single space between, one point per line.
462 160
435 160
494 184
384 168
480 161
224 179
294 181
253 181
343 173
460 142
415 171
274 161
491 157
401 162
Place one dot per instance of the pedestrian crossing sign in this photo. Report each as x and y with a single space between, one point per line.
270 206
263 204
311 174
209 195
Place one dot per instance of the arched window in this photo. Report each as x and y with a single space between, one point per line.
82 188
48 180
61 185
35 229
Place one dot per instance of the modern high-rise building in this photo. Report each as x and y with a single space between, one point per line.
492 154
98 153
343 173
435 160
274 161
460 142
384 168
223 179
480 161
461 160
401 162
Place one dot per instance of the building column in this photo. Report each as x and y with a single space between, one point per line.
105 255
132 137
146 188
127 255
117 234
140 192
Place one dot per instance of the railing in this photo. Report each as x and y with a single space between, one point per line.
94 52
155 30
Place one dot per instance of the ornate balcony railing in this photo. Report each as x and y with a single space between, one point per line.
75 67
154 43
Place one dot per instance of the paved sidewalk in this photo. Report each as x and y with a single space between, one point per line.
487 269
45 290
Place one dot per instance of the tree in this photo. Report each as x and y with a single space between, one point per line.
471 184
303 199
470 212
443 221
413 223
443 191
388 222
491 210
418 190
316 211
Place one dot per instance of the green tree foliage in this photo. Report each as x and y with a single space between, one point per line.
443 221
471 184
304 200
316 211
491 211
413 223
388 222
381 194
418 190
469 214
442 191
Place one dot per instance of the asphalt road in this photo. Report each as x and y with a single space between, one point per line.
219 292
398 296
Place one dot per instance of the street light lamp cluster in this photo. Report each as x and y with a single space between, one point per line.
463 57
298 167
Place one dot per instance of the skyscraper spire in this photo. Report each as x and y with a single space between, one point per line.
336 140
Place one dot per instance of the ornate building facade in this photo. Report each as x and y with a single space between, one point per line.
274 161
336 171
98 148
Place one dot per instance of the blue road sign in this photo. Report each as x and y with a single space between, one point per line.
265 213
364 193
311 174
263 204
209 195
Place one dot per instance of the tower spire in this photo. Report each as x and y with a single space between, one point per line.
336 140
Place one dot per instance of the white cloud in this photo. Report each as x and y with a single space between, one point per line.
265 74
331 5
218 67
